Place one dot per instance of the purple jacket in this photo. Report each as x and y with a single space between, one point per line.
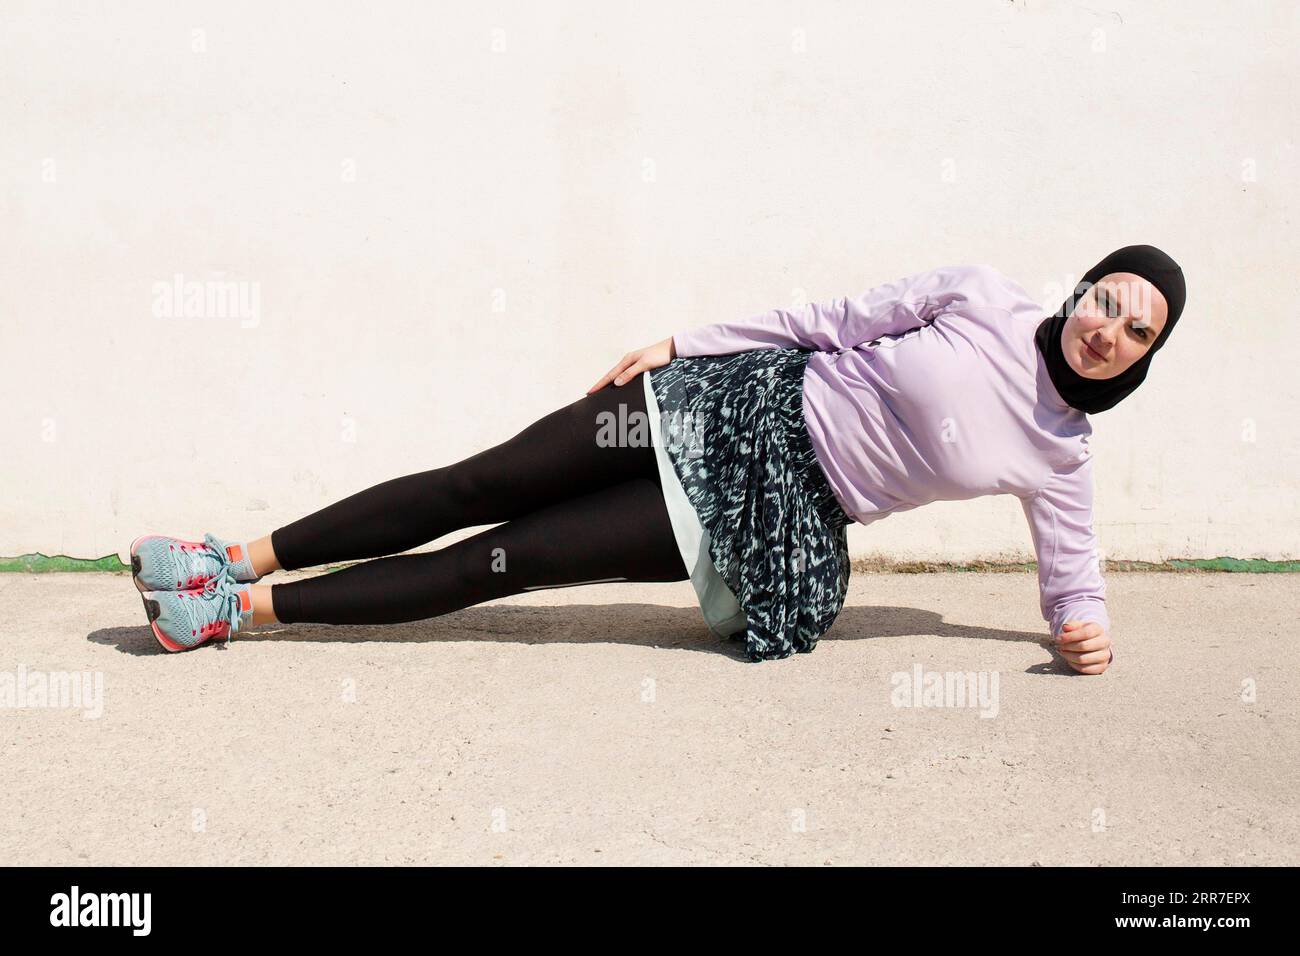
931 388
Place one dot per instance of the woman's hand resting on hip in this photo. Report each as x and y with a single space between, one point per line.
634 363
1085 646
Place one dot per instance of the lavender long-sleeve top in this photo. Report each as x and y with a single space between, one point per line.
931 388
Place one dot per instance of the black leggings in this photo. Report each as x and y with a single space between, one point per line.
578 493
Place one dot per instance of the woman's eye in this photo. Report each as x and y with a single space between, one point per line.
1142 333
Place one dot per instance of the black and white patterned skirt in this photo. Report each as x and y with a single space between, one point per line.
733 428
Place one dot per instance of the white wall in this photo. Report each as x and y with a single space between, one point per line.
456 217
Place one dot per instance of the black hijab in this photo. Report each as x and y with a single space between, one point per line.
1099 394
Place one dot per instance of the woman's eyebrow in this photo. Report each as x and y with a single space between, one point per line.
1104 291
1139 321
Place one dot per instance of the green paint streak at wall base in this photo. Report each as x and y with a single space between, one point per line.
40 563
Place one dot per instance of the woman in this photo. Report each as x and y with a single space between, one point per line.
734 456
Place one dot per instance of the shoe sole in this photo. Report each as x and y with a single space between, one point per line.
154 610
135 574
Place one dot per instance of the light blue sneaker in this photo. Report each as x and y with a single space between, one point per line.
182 620
160 563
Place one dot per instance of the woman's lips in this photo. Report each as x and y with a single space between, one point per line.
1094 353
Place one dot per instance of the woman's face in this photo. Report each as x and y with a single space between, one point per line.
1113 325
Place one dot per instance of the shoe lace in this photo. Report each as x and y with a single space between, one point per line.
193 562
214 543
220 602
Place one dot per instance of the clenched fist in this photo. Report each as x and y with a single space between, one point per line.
1085 646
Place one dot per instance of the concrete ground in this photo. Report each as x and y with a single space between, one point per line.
604 725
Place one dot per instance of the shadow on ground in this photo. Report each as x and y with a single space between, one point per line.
647 625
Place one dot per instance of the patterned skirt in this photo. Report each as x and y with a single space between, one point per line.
733 428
